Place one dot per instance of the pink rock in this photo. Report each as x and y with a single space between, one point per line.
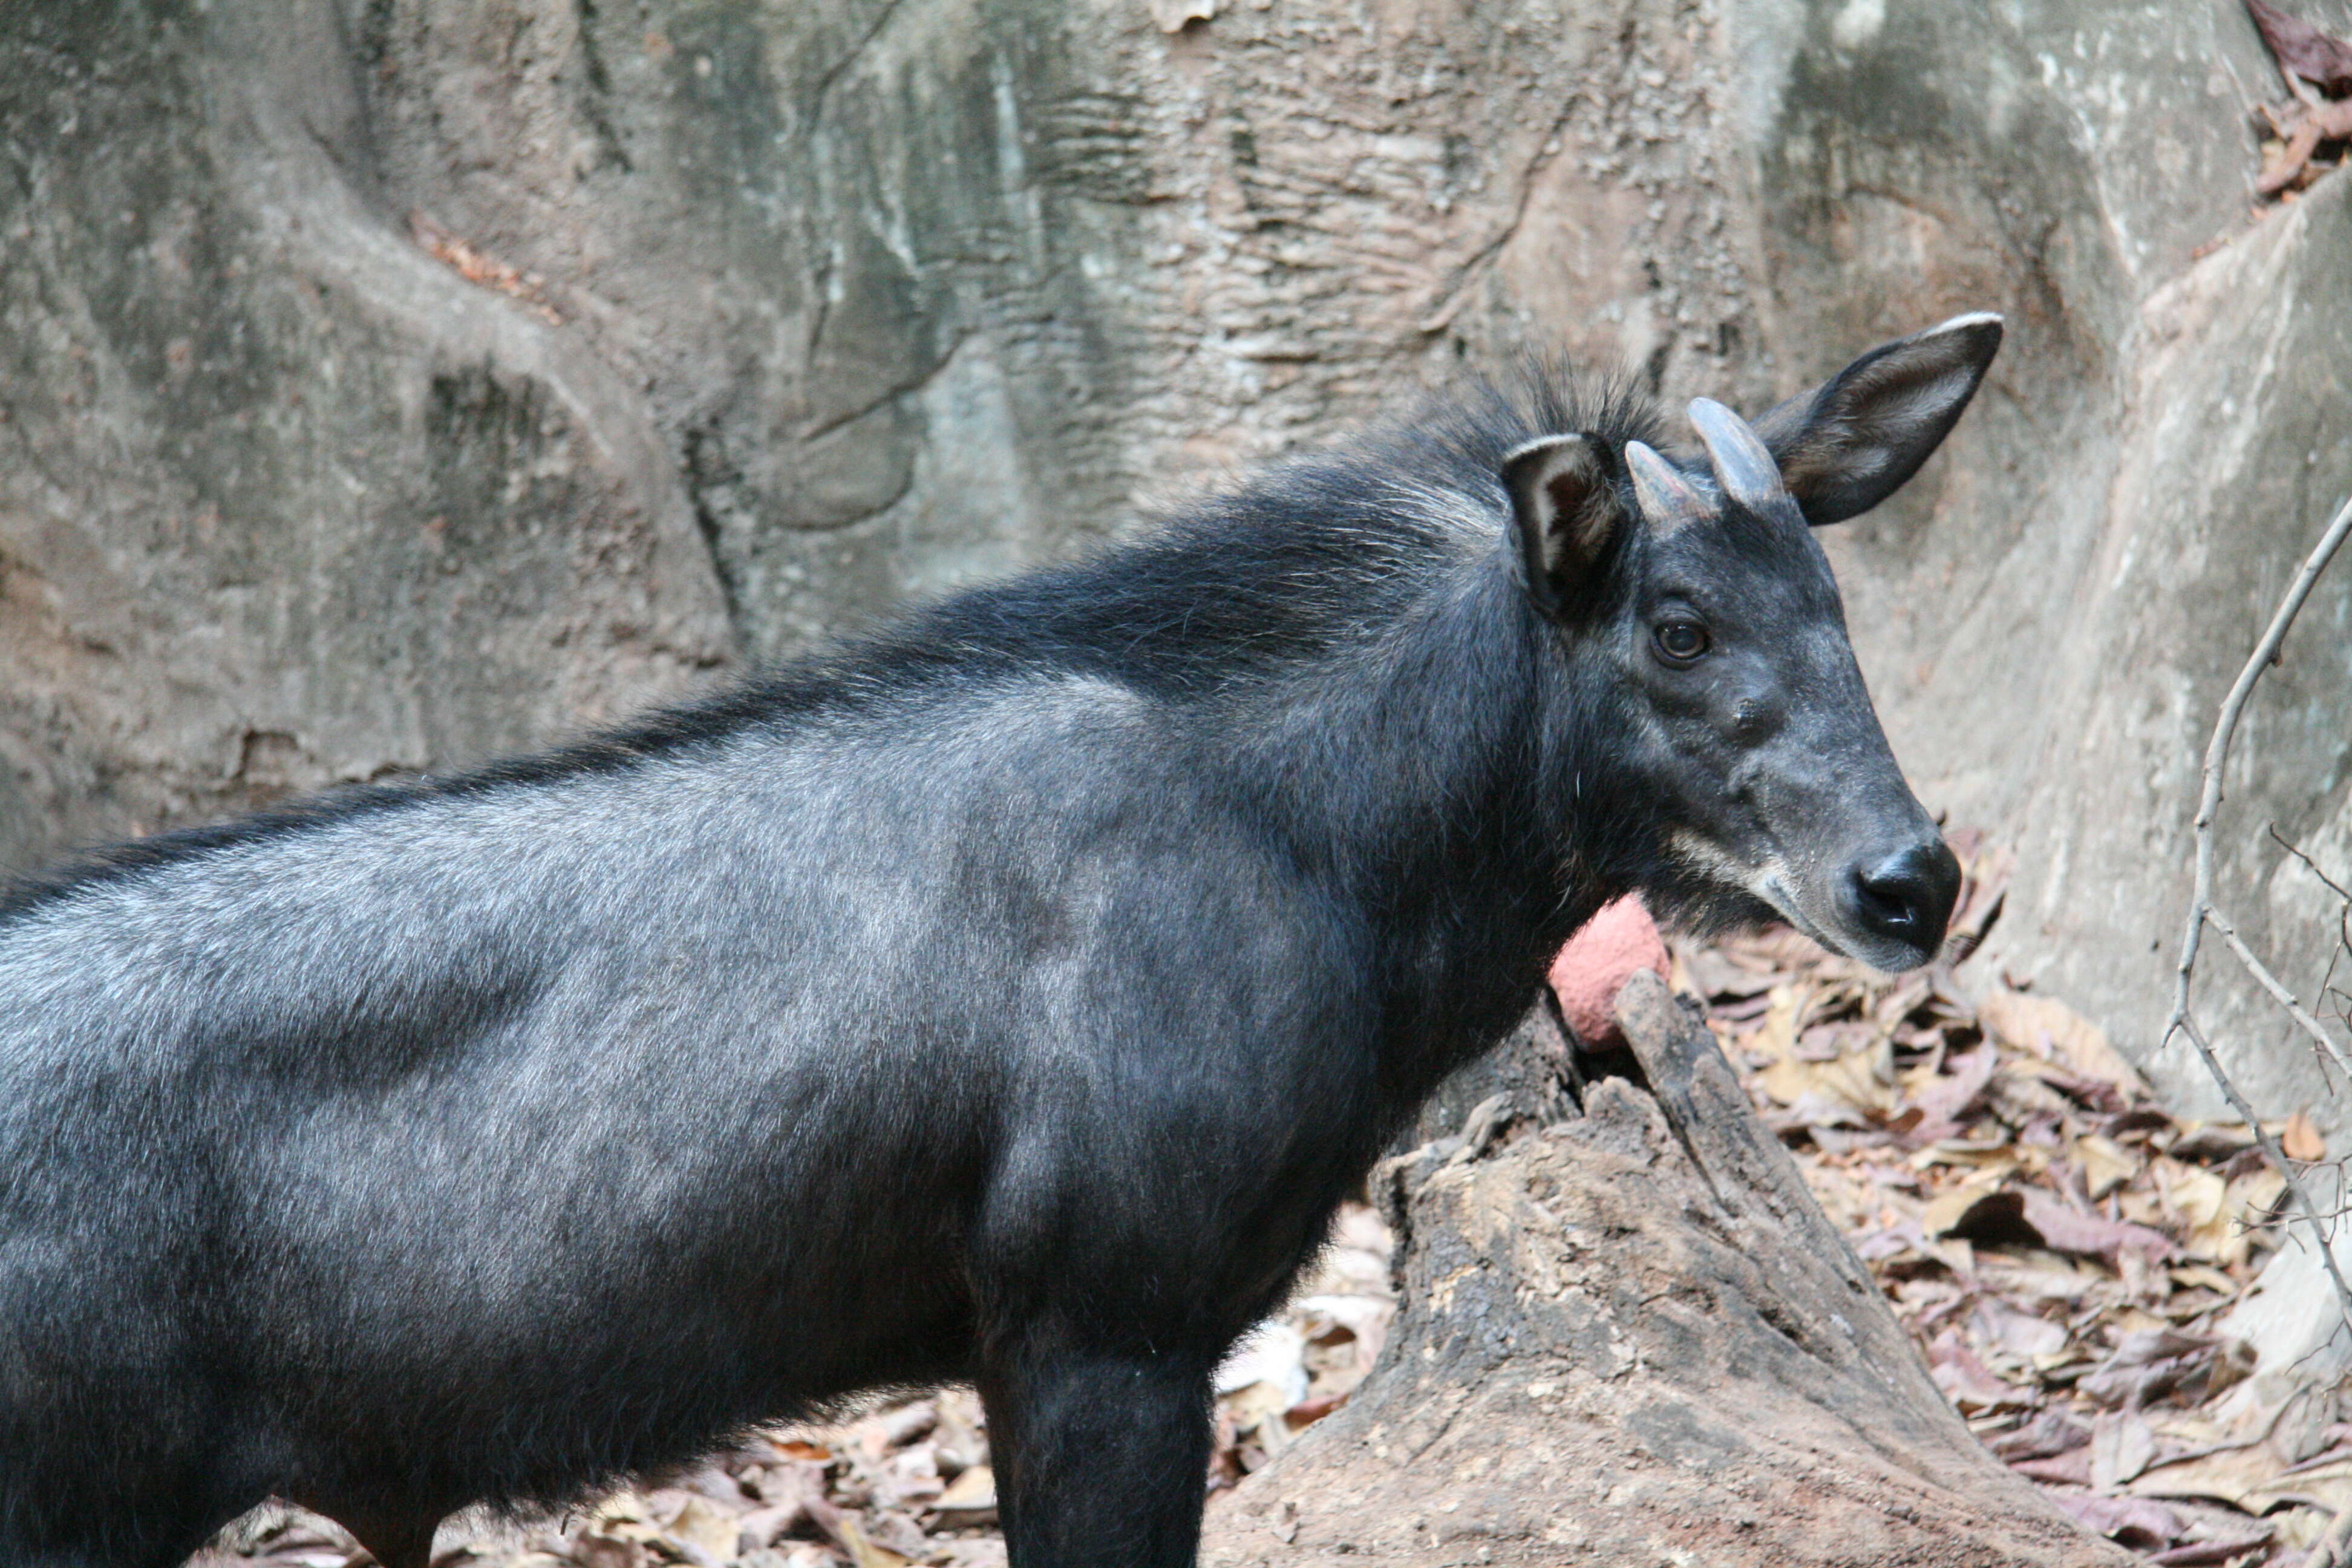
1599 959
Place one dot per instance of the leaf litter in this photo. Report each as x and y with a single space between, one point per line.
2061 1248
2308 136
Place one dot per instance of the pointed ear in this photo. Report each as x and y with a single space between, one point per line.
1566 512
1852 441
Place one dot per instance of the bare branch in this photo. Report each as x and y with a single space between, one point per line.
2200 901
2279 992
2278 1161
2328 989
2310 865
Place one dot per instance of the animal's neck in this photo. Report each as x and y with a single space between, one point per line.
1428 787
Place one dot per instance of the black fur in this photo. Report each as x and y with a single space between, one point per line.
1010 995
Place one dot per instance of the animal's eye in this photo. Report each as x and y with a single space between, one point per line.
1681 642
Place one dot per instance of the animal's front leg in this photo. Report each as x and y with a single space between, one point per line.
1101 1455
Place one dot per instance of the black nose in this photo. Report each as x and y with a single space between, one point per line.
1907 896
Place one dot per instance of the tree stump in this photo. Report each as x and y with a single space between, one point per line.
1631 1337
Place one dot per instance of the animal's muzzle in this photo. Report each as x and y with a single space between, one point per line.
1907 897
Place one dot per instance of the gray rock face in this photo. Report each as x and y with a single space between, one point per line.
2050 616
391 382
285 501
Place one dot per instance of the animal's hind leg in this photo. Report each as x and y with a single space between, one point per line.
408 1544
1102 1455
395 1539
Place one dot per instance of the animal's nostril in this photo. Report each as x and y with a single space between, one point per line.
1908 895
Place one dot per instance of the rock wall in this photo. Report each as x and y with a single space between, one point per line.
391 382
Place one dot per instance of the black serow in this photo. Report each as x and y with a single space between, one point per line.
1009 996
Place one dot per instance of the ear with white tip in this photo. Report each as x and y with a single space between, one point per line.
1566 512
1852 441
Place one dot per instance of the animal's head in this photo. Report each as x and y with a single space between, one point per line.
1746 766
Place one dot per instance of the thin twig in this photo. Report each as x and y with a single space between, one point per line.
2278 1162
2200 901
2327 986
2310 865
2279 992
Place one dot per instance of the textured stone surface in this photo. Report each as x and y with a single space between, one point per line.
808 306
283 501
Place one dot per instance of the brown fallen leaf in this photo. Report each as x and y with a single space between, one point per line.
971 1499
2104 1164
2071 1469
976 1488
2304 127
797 1448
2121 1448
1308 1412
2066 1229
1966 1382
2324 1483
2212 1143
2233 1476
2213 1553
1977 1211
864 1551
2051 1433
2038 1023
1943 1101
2320 58
765 1526
2148 1364
2131 1521
2301 1139
2021 1334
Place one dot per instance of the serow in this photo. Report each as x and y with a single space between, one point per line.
1009 995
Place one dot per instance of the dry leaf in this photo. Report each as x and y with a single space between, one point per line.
864 1551
2019 1333
2128 1521
2105 1165
1949 1211
2233 1476
2121 1448
2210 1142
1966 1382
2036 1023
2068 1470
2063 1229
2301 1141
2050 1433
1945 1098
701 1523
2320 58
1785 1079
976 1488
2216 1554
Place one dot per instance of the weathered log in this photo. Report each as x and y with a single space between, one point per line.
1631 1337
